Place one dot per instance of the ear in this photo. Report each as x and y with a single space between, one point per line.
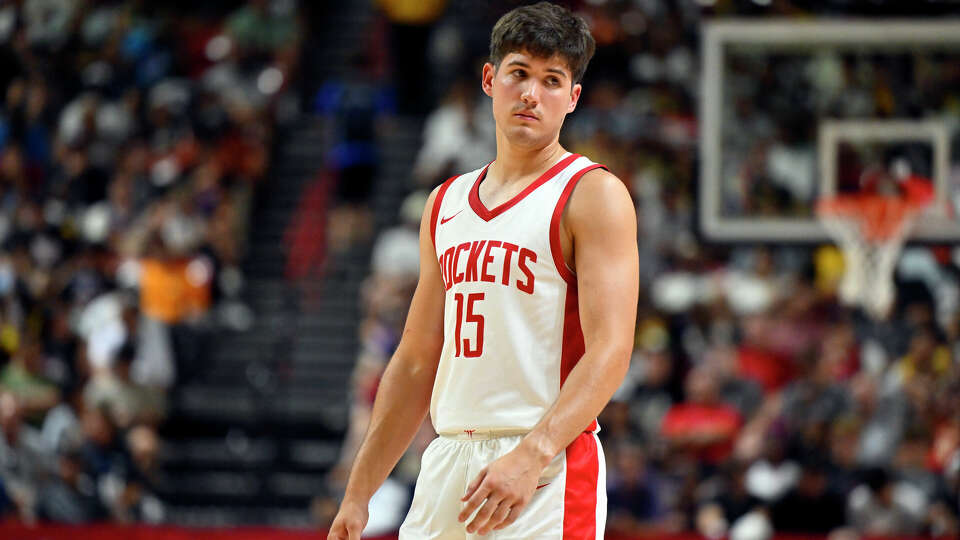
486 79
574 97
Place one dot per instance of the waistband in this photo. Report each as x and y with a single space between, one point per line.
482 434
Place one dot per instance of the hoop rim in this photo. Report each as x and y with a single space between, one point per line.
881 217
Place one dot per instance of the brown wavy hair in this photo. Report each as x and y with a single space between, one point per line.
544 30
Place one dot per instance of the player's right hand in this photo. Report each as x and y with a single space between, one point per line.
350 521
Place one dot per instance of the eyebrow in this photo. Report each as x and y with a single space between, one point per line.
521 63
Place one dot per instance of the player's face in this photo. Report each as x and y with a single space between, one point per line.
531 97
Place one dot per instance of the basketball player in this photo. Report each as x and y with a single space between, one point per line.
521 326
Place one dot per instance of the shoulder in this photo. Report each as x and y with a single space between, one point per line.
601 182
600 197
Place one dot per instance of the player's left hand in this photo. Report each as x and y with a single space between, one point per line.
503 488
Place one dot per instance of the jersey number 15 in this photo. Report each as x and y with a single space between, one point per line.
464 347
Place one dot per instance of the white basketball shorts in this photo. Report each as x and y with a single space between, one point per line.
570 502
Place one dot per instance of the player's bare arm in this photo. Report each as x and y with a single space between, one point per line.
598 233
403 398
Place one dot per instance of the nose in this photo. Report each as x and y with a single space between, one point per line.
530 93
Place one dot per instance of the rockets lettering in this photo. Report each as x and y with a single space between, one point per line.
476 261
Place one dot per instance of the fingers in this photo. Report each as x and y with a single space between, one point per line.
479 495
355 529
496 520
483 516
345 531
474 485
512 514
339 533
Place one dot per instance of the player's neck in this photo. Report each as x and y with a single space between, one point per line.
517 164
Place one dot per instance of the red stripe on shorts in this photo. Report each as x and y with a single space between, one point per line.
580 497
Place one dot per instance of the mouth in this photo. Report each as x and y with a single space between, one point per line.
525 116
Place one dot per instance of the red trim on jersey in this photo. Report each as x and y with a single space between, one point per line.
572 347
487 215
435 213
580 494
555 248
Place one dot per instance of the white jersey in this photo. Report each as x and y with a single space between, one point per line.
511 321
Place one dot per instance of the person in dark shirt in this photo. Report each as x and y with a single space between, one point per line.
632 494
71 496
730 500
810 507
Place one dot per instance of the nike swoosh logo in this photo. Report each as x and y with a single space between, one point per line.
543 485
444 220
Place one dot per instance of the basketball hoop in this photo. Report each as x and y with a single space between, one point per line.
871 230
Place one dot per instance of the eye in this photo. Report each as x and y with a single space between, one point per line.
553 81
519 73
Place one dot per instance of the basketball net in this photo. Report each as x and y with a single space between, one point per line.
870 229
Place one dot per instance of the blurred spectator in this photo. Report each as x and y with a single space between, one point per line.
357 104
728 501
139 500
23 378
757 358
48 21
810 507
262 27
634 491
885 415
126 402
396 252
774 474
820 398
702 426
71 496
410 30
106 459
23 459
61 426
458 136
884 507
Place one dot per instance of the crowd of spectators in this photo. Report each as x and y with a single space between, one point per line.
755 399
131 139
771 111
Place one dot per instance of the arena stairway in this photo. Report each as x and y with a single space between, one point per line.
250 440
244 445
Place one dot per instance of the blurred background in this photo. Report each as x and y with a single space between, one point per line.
208 244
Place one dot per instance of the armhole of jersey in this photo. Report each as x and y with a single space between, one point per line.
555 248
435 213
